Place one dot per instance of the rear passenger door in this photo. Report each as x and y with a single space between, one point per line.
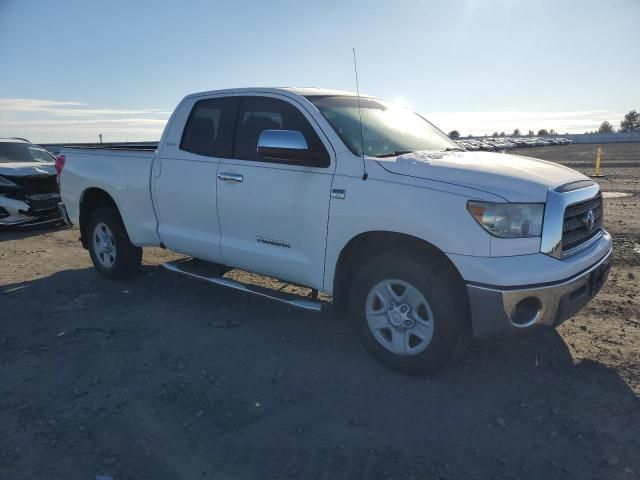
273 212
184 178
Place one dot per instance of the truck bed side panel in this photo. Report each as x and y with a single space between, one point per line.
125 176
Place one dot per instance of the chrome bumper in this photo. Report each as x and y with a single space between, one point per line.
499 309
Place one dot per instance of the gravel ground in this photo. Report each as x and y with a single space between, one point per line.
166 378
620 162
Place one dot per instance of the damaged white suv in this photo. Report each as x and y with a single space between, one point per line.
28 189
422 243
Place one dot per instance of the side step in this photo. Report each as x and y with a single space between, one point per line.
186 267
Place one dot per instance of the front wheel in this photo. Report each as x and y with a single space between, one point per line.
410 312
112 253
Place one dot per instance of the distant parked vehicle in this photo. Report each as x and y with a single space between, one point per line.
29 193
491 144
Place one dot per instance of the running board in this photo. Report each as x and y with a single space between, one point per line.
179 266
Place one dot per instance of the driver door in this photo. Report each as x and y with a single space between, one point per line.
274 211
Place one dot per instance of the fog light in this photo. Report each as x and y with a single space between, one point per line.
526 311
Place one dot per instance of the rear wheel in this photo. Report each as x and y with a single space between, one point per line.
411 313
112 253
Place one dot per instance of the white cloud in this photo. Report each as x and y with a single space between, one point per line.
88 122
54 107
32 104
46 121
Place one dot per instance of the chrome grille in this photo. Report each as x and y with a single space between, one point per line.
575 229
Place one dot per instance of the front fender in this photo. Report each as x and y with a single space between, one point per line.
436 215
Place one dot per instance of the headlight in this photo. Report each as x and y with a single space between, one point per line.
509 220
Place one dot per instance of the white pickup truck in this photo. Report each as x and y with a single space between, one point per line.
425 245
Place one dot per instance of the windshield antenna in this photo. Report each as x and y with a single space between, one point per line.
365 175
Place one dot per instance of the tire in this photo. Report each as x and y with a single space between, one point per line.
423 322
112 253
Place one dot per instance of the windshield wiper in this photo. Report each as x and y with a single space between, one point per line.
456 149
394 154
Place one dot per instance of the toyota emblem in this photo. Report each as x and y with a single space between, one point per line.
589 220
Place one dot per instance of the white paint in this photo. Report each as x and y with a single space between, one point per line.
516 178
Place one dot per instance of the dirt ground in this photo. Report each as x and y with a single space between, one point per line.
166 378
619 163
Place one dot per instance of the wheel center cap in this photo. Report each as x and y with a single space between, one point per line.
396 319
398 316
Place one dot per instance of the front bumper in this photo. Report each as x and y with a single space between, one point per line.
16 219
16 213
499 309
37 209
30 221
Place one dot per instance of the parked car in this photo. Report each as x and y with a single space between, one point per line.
29 193
421 243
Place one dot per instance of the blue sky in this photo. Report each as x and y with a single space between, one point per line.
72 69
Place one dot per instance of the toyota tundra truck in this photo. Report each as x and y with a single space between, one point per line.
422 245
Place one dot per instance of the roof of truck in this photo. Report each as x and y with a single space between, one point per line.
304 91
313 91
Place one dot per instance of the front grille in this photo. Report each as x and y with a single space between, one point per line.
575 229
44 201
36 184
41 192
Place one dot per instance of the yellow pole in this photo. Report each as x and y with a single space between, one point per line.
598 154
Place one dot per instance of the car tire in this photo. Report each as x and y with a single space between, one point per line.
112 253
422 323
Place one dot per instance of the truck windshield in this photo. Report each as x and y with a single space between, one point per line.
387 129
23 153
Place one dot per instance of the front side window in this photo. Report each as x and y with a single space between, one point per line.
202 133
23 153
387 129
263 113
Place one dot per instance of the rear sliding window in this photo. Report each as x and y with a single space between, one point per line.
202 132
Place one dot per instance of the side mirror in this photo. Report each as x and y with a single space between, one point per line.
283 145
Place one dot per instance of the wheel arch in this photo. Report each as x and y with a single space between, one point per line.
369 244
90 200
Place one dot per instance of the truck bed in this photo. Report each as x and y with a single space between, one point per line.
136 148
124 174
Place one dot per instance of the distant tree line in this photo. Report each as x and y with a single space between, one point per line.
630 123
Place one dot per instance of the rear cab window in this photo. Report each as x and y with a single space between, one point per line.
209 128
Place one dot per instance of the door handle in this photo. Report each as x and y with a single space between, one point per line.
230 177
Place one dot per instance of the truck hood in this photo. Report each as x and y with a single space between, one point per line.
24 169
515 178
